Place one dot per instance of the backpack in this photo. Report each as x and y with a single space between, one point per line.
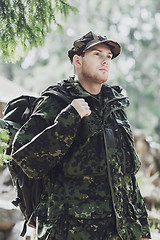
16 113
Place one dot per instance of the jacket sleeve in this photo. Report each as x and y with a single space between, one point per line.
139 205
44 140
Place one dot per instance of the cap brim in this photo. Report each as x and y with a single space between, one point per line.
115 47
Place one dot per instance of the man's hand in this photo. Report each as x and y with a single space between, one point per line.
144 238
81 107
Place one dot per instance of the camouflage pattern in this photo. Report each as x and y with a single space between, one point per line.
89 40
88 166
90 229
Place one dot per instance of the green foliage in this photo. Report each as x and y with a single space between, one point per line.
25 23
135 24
3 145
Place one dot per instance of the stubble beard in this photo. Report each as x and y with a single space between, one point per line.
93 78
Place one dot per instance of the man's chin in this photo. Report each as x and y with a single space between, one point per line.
103 80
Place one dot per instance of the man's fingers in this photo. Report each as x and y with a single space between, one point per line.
81 107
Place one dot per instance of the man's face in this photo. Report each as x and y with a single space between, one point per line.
95 64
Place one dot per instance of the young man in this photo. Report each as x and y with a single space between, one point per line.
84 151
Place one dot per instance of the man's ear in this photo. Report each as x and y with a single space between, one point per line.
77 60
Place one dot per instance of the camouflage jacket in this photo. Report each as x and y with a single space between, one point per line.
89 164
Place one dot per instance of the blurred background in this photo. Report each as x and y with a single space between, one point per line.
135 24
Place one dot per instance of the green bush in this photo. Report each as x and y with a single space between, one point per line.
4 137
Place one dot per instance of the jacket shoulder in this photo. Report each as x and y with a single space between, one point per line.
115 90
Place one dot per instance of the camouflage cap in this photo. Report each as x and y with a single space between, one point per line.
89 40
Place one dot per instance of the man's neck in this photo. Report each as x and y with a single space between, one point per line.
92 88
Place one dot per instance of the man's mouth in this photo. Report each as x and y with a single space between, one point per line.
103 69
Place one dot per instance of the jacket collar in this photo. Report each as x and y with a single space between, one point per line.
110 93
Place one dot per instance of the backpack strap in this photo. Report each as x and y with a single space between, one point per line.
63 95
24 230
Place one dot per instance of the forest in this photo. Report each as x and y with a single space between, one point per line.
36 56
135 24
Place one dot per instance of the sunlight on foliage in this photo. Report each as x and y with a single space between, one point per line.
4 137
24 24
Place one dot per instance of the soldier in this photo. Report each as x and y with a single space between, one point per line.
85 153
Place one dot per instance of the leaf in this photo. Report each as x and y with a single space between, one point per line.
27 20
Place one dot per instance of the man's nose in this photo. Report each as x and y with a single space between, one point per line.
105 61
